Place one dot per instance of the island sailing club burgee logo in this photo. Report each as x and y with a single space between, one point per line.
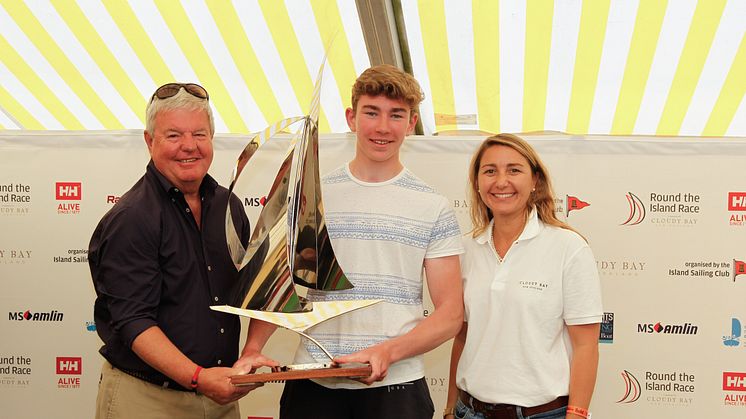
574 203
739 268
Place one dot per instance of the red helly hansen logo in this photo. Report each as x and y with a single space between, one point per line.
68 191
734 381
736 201
69 365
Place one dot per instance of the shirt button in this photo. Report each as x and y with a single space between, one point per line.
209 268
188 210
173 200
222 330
216 298
220 361
176 189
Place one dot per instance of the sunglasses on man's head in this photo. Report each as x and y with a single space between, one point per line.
171 89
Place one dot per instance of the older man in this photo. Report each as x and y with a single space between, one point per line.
158 260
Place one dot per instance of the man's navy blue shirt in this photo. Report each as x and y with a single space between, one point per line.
153 266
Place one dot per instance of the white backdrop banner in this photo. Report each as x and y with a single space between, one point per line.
666 218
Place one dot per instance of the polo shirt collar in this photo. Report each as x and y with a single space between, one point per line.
530 230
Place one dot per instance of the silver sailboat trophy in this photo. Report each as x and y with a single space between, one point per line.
290 246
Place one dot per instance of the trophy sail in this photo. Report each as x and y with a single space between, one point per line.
290 244
264 281
290 236
314 264
236 249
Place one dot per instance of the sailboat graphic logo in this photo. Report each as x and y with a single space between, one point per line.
734 339
632 388
636 210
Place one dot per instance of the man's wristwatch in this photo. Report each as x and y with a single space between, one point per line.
449 411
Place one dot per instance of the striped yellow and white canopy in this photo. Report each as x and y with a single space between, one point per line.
93 64
651 67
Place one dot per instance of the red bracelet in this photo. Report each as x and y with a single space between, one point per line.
195 377
583 413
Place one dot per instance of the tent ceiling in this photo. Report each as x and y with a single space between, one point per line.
599 67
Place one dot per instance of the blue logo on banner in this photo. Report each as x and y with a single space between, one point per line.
736 330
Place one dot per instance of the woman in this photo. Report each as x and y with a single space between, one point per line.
532 297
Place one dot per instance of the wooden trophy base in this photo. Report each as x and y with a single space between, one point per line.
299 374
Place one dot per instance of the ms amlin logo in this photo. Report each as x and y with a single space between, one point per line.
632 389
48 316
636 210
255 201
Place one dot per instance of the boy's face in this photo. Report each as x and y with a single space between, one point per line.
381 125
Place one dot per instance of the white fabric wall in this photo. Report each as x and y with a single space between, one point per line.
51 368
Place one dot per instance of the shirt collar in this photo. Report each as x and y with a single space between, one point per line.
206 188
530 230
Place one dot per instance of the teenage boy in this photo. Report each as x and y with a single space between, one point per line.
386 225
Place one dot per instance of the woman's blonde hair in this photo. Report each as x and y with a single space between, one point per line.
542 198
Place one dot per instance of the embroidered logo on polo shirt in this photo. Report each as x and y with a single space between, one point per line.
534 285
